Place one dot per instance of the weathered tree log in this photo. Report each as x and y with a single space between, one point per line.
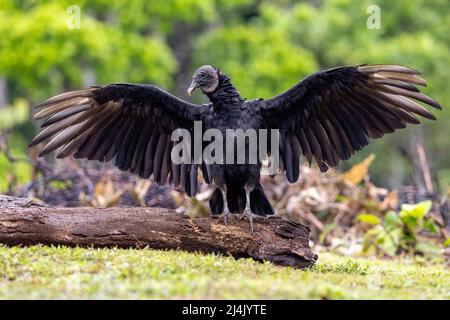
278 240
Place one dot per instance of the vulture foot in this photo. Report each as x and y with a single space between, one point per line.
226 214
250 216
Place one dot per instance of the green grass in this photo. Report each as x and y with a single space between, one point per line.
60 272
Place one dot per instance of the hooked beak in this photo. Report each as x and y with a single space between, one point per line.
191 88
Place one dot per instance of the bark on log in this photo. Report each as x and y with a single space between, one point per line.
278 240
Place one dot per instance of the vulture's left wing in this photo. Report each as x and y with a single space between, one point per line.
332 114
130 124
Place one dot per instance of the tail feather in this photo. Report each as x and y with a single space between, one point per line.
216 202
259 203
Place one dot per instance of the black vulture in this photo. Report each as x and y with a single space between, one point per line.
326 117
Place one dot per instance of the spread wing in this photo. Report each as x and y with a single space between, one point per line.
332 114
130 124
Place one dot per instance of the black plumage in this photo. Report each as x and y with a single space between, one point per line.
326 117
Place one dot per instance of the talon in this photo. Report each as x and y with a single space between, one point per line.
226 214
249 215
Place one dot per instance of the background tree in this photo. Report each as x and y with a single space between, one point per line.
266 46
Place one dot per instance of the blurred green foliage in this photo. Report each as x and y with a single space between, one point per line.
265 46
14 115
13 172
401 232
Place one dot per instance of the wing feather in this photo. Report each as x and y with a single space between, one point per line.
129 124
334 113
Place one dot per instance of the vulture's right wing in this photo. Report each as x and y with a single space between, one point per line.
332 114
130 124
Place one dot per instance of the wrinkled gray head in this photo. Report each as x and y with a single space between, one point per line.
206 78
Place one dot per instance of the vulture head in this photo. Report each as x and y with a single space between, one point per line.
206 78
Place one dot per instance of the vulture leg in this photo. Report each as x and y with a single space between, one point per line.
226 211
248 211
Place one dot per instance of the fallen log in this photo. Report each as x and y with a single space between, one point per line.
281 241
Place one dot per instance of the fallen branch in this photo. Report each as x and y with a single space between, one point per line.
278 240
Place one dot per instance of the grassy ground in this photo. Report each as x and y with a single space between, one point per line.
50 272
